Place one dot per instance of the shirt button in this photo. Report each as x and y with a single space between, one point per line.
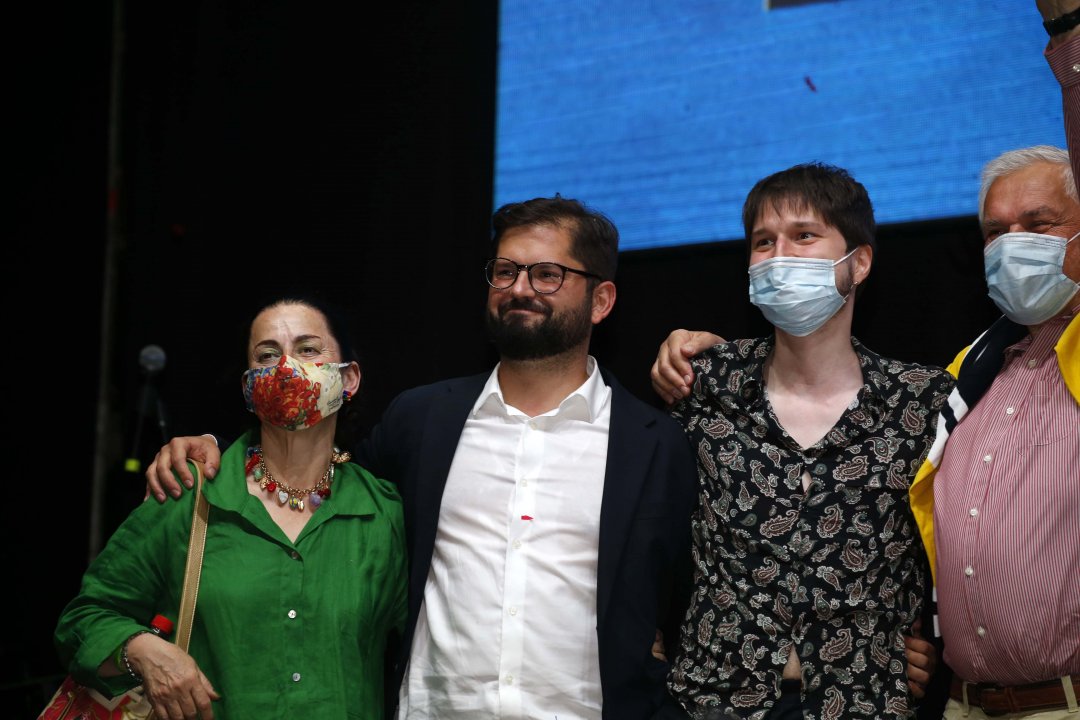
508 680
1076 68
987 458
1033 363
973 512
517 544
525 483
1010 411
532 424
294 555
980 631
296 677
513 611
292 614
969 571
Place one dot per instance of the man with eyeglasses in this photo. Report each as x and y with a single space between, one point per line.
547 509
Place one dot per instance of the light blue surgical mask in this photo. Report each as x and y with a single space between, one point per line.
1025 277
797 295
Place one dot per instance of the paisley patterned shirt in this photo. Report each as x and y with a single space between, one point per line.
835 572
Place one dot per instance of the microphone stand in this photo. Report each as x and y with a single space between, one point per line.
150 401
161 422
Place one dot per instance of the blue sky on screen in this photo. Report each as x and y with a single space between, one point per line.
664 114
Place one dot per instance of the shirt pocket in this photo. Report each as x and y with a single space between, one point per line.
1045 419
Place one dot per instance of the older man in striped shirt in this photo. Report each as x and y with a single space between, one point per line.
1005 509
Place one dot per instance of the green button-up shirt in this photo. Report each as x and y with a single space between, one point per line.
282 629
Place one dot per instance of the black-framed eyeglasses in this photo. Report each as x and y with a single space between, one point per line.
544 277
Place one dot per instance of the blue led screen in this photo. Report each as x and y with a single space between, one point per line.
663 114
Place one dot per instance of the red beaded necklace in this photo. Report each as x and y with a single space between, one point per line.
256 467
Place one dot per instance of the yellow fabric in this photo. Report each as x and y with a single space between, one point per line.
1068 354
921 493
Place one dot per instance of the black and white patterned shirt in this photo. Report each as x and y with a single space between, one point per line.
835 572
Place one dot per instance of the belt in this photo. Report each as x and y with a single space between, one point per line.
1000 700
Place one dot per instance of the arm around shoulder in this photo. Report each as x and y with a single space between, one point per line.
169 473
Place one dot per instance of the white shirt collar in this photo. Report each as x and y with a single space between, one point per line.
585 403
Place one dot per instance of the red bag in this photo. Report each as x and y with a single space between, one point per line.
77 702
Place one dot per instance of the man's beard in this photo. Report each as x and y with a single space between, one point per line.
518 339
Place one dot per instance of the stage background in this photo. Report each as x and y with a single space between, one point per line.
666 114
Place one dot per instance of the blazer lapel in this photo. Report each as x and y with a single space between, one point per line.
630 447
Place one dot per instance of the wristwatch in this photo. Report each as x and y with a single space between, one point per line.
1063 23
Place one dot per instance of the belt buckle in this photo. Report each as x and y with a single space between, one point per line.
996 693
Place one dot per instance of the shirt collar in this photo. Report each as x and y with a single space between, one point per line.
586 403
749 358
1049 334
875 372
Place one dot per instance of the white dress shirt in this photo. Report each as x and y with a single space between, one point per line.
507 628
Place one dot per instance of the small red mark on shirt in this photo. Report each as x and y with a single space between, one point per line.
526 517
809 83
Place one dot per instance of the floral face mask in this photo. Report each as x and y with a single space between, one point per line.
294 395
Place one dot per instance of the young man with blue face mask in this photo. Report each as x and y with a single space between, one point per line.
808 563
996 498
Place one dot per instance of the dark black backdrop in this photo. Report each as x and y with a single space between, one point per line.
269 145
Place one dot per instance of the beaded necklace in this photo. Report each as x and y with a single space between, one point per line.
256 467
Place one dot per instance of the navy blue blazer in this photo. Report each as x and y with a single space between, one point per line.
643 569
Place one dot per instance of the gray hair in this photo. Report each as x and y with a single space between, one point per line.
1014 160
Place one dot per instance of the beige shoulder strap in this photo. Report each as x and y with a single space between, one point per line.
196 545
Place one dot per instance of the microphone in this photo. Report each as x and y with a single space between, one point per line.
151 362
152 359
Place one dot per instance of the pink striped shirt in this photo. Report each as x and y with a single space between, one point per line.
1007 518
1065 62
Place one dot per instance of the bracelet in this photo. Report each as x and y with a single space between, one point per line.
1064 23
127 663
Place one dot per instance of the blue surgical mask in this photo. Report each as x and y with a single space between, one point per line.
797 295
1025 277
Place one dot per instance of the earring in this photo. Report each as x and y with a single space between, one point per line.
346 395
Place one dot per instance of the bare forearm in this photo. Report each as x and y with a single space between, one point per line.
1052 9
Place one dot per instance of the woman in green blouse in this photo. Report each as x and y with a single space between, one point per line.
304 574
